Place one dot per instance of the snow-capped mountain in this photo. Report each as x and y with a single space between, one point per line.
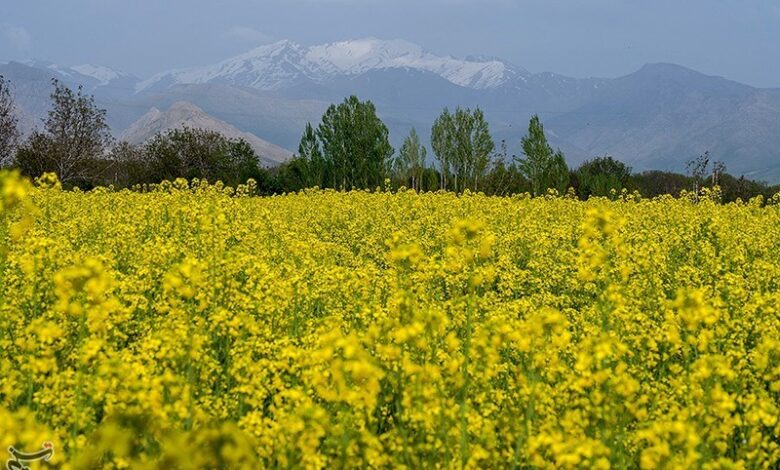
86 74
357 57
266 68
285 63
102 74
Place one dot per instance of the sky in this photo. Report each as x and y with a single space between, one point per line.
736 39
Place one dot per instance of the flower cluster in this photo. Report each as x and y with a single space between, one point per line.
191 326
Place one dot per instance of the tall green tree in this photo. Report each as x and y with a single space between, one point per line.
443 144
481 147
75 135
463 146
410 162
542 166
355 145
310 164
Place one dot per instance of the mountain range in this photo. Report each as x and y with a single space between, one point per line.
658 117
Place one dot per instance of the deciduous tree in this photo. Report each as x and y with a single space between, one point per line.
9 131
542 166
355 145
75 135
411 159
463 146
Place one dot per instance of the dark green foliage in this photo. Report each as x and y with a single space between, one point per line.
429 180
32 156
350 148
505 180
655 183
601 176
128 166
355 145
733 188
292 175
198 153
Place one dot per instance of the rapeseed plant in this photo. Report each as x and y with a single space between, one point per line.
188 325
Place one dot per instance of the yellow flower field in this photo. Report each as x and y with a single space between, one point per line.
193 327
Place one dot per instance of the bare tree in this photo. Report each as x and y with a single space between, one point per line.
697 168
718 168
9 132
75 137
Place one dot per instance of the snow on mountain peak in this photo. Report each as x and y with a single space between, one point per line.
283 63
265 67
359 56
98 72
101 74
275 48
363 54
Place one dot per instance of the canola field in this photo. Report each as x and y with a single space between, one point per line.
191 326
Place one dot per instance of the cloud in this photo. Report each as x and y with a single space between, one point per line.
18 36
249 35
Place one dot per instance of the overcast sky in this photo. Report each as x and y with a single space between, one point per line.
738 39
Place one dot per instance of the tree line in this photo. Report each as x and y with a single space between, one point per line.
349 148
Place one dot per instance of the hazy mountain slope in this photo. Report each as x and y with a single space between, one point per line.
663 115
183 114
31 87
270 116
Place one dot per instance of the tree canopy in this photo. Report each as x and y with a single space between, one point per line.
542 166
75 135
355 146
463 147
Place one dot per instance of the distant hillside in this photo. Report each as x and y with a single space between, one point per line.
182 114
656 118
664 114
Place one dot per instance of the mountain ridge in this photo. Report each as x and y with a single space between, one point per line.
272 66
657 117
182 114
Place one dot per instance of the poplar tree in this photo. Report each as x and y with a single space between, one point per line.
481 147
463 146
443 144
542 166
312 162
411 159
